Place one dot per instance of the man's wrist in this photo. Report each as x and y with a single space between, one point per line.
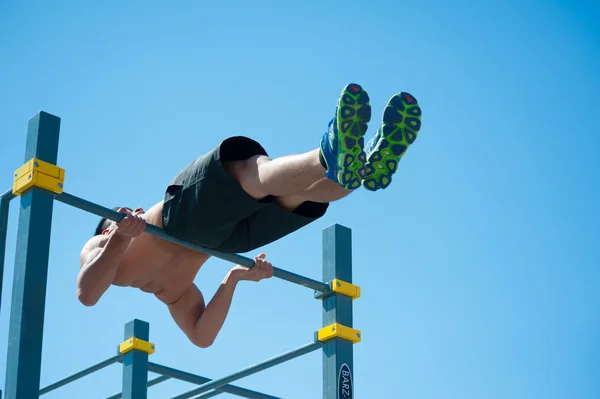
119 238
234 276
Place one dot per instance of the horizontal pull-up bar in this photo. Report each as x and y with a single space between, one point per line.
158 232
274 361
196 379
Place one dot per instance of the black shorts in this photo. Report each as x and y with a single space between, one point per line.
206 206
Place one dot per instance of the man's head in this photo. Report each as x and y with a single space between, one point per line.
105 225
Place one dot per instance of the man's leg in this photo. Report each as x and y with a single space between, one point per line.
323 191
260 175
340 158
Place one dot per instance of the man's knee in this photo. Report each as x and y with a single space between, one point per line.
291 202
246 173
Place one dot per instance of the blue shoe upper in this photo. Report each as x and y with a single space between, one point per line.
329 149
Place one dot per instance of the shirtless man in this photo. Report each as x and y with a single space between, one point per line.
236 199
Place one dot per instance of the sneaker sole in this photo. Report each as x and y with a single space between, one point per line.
353 112
399 129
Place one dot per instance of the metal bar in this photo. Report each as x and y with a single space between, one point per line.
135 362
207 395
8 195
151 383
157 380
196 379
4 207
337 353
80 374
251 370
158 232
26 326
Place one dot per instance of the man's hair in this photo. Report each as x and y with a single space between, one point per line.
104 223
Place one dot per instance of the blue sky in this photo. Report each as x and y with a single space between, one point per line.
479 265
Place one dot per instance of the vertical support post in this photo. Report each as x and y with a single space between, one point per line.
4 208
135 362
24 357
338 364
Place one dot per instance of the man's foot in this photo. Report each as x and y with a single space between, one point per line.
342 145
397 131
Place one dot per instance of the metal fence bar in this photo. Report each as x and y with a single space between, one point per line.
196 379
151 383
251 370
158 232
80 374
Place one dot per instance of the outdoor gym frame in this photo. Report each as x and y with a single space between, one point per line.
39 182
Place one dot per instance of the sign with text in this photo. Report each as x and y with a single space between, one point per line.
345 389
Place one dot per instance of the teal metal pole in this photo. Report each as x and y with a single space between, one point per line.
135 362
158 232
338 362
4 207
24 356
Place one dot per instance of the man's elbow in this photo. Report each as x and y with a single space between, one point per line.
203 342
86 297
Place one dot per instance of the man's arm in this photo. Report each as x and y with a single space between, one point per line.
202 324
102 255
100 260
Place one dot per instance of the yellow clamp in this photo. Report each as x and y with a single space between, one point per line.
137 344
39 174
342 287
337 330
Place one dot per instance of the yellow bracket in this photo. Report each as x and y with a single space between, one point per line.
342 287
39 174
137 344
337 330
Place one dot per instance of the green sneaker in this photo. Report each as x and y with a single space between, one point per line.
398 130
342 145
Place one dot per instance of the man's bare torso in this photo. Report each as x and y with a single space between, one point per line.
157 266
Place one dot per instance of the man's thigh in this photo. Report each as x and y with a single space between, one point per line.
271 223
204 204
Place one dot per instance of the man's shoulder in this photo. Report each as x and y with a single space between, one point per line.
93 245
98 241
